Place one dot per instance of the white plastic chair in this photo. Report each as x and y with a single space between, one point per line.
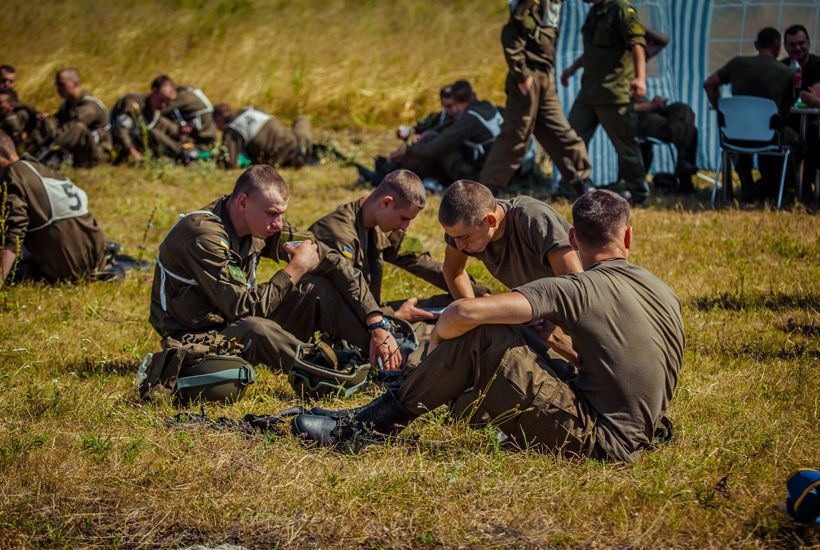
748 119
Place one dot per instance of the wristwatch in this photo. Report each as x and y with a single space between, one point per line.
384 323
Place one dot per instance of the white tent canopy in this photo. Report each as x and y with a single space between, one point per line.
705 34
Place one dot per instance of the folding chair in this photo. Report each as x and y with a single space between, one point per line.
656 141
749 125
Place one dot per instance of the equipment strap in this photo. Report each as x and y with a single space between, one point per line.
493 126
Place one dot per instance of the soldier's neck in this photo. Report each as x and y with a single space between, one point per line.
368 212
500 216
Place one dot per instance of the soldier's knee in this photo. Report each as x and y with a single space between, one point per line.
257 327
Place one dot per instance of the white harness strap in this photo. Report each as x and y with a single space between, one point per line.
442 116
165 272
204 99
493 126
249 123
65 199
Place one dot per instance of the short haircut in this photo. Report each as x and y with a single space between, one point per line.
467 202
599 216
446 92
7 148
259 177
72 74
768 38
405 187
9 92
7 69
161 81
794 29
462 91
224 110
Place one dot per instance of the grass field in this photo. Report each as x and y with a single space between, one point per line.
84 464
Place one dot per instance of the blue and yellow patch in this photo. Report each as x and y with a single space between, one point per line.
223 242
347 252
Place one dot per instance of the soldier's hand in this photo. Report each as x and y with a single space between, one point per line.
304 259
566 75
410 313
185 129
135 155
526 86
383 346
637 87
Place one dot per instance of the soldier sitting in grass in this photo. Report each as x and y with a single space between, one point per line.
626 327
193 112
369 231
205 280
262 138
48 230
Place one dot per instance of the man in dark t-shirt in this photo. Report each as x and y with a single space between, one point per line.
627 328
760 76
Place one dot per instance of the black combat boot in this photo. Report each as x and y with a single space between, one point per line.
384 416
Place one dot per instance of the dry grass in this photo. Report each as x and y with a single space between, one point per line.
83 464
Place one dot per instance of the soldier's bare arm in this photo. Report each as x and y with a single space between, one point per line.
637 88
455 274
564 260
6 263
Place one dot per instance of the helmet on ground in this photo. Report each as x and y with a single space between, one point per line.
214 378
321 369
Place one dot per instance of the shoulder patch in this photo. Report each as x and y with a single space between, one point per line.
237 274
223 242
347 252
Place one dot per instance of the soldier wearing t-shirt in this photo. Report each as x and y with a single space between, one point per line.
49 228
626 326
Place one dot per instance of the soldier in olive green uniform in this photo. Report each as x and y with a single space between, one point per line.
532 102
80 126
193 112
459 150
138 125
20 122
626 374
49 227
262 138
614 63
205 280
437 121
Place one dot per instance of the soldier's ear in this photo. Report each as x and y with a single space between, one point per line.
628 238
386 201
492 220
573 241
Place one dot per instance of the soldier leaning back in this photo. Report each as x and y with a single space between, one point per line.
205 280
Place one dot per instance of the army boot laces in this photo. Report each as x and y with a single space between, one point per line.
382 417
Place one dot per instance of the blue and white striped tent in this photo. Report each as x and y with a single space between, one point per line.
705 34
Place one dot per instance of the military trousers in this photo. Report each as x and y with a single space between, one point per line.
620 123
446 168
514 386
87 148
673 124
538 113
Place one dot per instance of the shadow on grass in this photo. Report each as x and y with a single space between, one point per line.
777 301
776 530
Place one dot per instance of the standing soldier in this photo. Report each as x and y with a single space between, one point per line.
191 109
49 230
80 127
614 63
533 107
262 138
138 124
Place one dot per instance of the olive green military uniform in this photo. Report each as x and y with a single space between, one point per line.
529 48
23 127
627 327
433 121
531 230
459 150
136 124
192 107
204 283
266 141
81 128
760 76
610 31
674 124
49 226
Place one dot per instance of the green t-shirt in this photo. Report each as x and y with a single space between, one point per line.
610 30
626 325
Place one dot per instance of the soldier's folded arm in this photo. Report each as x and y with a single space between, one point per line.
210 265
455 275
233 142
420 264
446 141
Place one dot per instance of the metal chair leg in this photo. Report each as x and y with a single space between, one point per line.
717 178
783 178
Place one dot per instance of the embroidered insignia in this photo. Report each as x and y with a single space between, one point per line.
347 252
223 242
237 274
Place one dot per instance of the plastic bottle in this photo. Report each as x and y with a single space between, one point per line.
798 75
142 371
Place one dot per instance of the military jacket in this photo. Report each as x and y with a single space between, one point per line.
367 249
466 128
610 30
62 245
433 121
529 36
21 126
274 144
193 107
133 121
205 276
89 111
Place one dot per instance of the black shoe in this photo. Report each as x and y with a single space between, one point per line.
382 417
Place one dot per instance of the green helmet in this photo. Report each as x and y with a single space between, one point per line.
214 378
321 369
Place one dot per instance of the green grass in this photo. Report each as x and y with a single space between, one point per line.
84 464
